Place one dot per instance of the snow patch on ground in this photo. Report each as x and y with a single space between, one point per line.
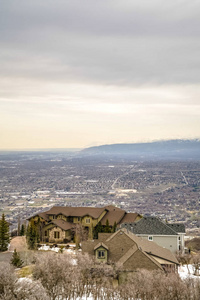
187 272
25 279
55 249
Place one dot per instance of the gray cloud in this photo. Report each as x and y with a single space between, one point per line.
106 42
73 72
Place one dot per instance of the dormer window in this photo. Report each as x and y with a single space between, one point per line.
87 220
101 253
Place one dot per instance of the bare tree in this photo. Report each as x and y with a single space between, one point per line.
13 288
80 234
184 259
58 274
196 264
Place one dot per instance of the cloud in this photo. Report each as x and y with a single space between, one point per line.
107 70
106 42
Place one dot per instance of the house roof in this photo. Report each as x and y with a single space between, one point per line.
112 207
128 249
113 216
94 212
129 218
150 226
146 246
40 214
102 236
43 215
128 254
62 224
154 259
101 244
177 227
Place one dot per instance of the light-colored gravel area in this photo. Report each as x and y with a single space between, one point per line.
18 243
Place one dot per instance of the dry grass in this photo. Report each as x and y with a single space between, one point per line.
193 244
25 271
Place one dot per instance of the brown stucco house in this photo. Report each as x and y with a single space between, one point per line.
56 225
131 252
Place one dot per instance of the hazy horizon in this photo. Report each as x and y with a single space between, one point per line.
77 74
79 149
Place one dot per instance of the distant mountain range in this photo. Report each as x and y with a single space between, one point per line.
170 149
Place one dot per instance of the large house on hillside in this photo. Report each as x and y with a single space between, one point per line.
130 252
169 236
56 225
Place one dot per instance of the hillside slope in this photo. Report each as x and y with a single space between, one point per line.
181 149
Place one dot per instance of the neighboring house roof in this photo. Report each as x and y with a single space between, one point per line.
150 226
128 254
44 216
177 227
63 224
113 216
130 218
41 214
112 207
132 245
147 246
76 211
102 236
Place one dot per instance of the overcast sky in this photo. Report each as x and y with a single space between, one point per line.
75 74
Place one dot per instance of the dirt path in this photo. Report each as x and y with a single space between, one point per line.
18 243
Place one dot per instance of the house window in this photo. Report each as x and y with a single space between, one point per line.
150 238
101 254
79 218
87 220
56 234
53 217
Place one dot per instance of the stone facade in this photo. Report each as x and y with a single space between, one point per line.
53 235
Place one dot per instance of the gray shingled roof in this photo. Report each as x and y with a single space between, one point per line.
177 227
151 226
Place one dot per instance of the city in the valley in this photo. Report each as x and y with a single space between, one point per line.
32 182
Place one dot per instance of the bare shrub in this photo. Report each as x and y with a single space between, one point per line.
7 281
58 275
12 288
184 259
96 278
196 264
30 290
155 285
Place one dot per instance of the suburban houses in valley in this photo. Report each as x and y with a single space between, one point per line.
130 252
